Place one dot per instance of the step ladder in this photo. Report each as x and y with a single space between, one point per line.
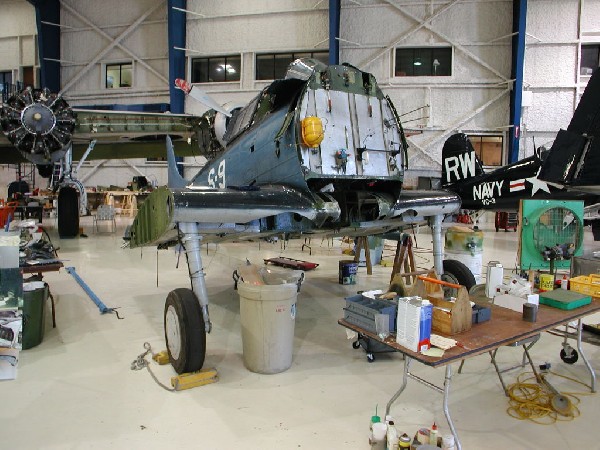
57 173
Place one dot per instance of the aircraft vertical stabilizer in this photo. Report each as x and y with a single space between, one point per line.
175 179
575 155
459 161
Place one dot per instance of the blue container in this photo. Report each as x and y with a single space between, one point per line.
347 273
425 326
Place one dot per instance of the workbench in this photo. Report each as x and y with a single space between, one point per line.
504 328
125 202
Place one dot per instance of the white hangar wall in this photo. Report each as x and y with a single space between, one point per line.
18 33
98 33
474 98
111 31
552 79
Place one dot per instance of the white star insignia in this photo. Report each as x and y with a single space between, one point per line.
538 185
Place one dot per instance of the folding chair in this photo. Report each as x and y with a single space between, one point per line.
105 213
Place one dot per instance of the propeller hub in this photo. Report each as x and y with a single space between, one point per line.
38 119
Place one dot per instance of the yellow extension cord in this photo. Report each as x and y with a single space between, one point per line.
530 400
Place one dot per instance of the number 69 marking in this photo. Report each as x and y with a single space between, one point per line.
217 178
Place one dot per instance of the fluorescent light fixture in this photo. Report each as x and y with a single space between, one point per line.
228 67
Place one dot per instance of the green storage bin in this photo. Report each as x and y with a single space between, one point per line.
35 295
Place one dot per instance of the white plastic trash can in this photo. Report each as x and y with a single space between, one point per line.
268 317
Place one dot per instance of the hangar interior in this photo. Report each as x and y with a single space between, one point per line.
507 73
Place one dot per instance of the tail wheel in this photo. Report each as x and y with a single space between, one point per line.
184 331
456 272
68 212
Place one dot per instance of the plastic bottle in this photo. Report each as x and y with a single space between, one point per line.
564 284
448 442
433 434
377 438
374 419
392 436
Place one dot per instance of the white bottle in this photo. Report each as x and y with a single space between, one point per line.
433 434
377 439
392 436
448 442
564 284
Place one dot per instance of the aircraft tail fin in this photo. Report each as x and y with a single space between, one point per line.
459 161
175 179
574 157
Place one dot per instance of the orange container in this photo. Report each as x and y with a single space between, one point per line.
6 211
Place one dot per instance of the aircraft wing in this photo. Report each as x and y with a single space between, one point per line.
38 125
122 135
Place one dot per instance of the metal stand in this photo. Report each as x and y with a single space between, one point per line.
585 360
192 241
445 391
526 344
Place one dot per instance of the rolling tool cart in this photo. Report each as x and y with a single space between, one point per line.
361 310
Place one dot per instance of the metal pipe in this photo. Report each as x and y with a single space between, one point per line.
438 250
407 360
585 360
426 383
447 380
101 306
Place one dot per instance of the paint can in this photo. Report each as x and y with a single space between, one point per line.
546 282
347 273
465 245
530 312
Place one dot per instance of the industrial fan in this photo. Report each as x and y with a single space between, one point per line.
551 233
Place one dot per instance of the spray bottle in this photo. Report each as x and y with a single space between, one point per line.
433 435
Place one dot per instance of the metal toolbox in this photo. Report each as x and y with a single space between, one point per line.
361 310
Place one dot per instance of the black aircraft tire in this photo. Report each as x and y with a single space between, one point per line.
596 229
184 331
68 212
456 272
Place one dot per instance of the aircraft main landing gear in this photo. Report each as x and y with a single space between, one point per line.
186 318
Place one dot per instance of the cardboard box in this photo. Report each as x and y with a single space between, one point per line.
413 323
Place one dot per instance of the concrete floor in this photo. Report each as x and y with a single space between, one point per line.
76 390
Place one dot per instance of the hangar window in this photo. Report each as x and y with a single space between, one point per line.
488 148
272 66
6 88
5 79
216 69
590 58
423 62
119 75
